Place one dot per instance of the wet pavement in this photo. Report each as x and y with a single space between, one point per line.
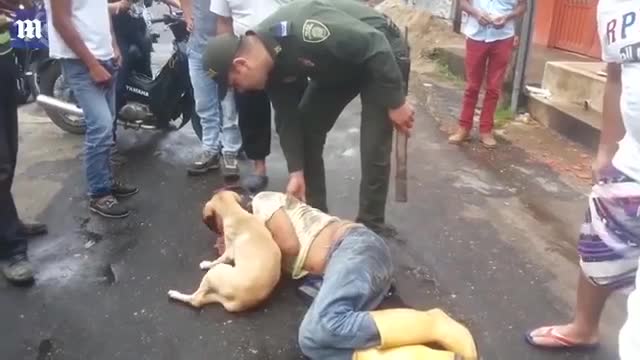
470 243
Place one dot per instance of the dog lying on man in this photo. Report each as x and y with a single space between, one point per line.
249 246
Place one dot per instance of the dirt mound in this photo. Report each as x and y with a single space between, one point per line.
425 31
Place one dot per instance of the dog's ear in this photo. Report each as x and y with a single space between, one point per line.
209 218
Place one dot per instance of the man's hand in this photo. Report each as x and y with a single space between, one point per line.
403 118
499 22
602 162
483 18
189 21
296 186
100 75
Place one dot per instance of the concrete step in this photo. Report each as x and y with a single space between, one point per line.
575 83
567 118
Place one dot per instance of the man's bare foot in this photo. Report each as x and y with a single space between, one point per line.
461 135
562 337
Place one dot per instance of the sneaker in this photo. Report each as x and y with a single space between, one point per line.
32 229
255 183
460 136
230 168
205 162
488 140
18 270
122 190
109 207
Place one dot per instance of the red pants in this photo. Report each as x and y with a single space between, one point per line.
492 59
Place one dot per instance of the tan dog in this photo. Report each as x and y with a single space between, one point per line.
249 244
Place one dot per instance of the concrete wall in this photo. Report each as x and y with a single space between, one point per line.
439 8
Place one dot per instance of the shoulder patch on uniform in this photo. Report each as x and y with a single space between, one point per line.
313 31
280 29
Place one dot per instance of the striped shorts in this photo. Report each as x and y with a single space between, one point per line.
609 244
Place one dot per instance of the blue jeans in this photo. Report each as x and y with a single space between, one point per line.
98 104
211 110
356 279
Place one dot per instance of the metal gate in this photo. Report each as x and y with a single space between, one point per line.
575 27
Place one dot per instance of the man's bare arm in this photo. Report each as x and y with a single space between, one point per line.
224 25
520 9
612 126
62 22
174 3
187 10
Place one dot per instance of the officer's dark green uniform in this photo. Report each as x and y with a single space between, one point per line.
344 48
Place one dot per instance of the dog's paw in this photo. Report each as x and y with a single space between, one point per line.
173 294
206 265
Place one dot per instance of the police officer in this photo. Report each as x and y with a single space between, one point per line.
313 57
14 234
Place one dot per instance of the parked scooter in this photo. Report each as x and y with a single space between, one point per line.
151 103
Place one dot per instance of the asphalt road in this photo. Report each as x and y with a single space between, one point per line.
468 244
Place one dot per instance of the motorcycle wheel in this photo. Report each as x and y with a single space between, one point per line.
49 78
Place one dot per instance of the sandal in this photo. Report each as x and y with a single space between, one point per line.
557 341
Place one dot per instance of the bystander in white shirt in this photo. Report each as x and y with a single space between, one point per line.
245 14
92 20
619 29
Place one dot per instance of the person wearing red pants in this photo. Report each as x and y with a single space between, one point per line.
490 30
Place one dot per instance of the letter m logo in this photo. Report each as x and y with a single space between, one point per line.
29 29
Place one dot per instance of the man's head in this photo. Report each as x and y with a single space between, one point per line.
212 219
242 63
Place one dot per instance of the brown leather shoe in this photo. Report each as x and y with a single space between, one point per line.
488 140
460 136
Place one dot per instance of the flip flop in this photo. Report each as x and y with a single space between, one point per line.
559 341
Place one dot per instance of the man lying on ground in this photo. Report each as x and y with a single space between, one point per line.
355 263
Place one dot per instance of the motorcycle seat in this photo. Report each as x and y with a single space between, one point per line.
140 81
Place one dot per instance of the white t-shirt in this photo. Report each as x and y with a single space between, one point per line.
92 20
619 29
246 14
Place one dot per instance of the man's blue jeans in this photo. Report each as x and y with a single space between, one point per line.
98 104
215 133
356 280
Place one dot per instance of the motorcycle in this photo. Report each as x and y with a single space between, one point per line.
151 103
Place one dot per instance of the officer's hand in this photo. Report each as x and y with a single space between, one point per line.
402 118
296 186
